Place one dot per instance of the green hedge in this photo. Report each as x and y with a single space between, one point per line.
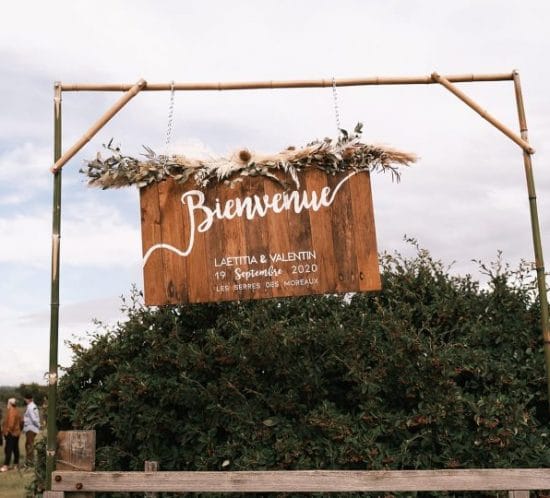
434 371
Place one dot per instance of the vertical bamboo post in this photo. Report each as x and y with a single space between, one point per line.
54 310
59 160
535 227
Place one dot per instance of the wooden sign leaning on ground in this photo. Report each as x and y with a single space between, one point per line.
250 227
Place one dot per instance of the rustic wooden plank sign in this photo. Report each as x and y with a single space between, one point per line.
254 240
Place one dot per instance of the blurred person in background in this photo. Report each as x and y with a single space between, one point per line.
31 427
11 429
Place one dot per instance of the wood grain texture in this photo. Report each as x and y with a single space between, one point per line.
518 494
367 257
76 452
315 181
172 265
256 232
279 239
151 234
151 466
287 249
343 239
306 481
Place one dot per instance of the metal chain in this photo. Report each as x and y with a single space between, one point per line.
336 108
170 121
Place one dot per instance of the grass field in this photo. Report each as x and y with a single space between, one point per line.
13 482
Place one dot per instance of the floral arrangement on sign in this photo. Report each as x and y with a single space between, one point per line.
346 153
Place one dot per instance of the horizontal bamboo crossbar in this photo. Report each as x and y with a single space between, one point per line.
142 85
311 481
252 85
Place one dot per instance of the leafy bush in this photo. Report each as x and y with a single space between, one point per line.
434 371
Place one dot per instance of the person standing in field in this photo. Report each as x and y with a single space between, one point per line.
11 429
31 427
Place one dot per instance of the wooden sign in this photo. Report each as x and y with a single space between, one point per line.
254 240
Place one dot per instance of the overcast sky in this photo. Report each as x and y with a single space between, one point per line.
465 198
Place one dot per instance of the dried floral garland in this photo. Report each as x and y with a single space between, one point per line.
347 153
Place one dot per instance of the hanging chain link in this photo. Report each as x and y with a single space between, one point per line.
336 107
170 121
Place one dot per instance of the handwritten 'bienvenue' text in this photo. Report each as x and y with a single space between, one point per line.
250 207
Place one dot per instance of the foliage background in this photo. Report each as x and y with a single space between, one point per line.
435 371
38 391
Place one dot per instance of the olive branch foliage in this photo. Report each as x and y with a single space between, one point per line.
331 156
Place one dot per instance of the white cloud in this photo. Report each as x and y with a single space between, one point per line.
25 354
24 239
465 198
11 199
25 168
99 235
92 235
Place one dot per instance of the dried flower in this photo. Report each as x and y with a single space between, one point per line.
245 156
332 157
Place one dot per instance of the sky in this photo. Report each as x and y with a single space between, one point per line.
464 199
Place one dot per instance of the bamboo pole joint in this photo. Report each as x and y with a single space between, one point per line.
100 123
483 113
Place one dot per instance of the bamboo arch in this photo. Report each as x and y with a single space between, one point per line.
131 90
